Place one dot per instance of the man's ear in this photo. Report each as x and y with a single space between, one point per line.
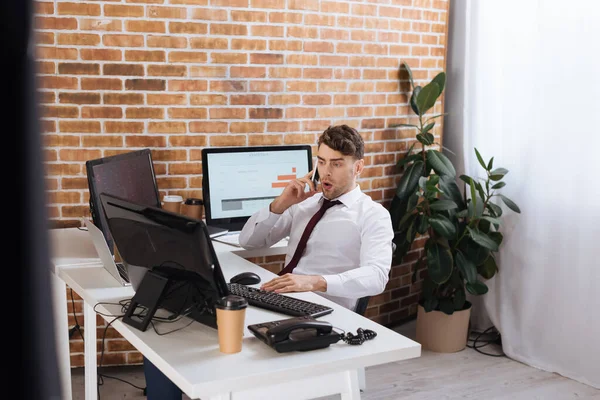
358 166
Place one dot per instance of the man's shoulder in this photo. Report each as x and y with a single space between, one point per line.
372 207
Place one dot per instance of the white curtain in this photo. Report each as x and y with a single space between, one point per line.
524 87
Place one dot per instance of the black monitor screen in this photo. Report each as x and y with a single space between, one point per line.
128 175
238 181
174 246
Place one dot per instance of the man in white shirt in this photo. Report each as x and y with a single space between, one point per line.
348 254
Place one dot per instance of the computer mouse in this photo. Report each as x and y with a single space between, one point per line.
246 278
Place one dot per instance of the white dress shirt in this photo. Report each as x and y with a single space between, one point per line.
351 246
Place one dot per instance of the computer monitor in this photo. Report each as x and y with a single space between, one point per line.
128 175
183 272
238 181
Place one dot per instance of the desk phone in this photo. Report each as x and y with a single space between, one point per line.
296 334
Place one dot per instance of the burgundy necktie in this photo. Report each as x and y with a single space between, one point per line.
305 235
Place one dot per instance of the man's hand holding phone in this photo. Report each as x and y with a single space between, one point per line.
295 192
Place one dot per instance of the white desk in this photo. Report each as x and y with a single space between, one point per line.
191 358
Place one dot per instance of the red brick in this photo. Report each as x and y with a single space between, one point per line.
59 112
300 112
264 113
101 84
114 10
283 126
229 140
56 53
100 54
187 85
100 24
187 113
266 86
248 16
78 69
56 82
188 27
167 70
167 127
284 99
248 72
111 40
227 113
80 39
145 55
160 99
123 98
55 23
251 99
274 4
285 17
145 26
210 14
208 127
303 5
187 56
285 73
79 98
265 140
214 72
123 69
248 44
145 84
209 43
166 12
80 126
318 73
247 127
123 127
144 113
78 9
175 42
44 37
208 99
101 112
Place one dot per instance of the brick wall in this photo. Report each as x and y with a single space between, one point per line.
180 75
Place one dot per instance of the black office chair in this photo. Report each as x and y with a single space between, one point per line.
363 302
361 305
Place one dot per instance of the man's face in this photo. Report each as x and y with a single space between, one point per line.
338 172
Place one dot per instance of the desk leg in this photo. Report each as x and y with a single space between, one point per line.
61 321
362 379
352 391
91 364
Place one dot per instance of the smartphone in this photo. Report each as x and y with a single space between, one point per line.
315 176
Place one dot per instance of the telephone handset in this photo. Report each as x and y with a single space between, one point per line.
282 330
296 334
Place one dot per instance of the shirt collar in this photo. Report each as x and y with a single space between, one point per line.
348 198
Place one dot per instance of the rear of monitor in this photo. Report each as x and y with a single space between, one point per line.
238 181
128 175
183 272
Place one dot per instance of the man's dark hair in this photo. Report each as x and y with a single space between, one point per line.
344 139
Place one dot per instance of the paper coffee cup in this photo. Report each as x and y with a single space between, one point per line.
231 315
193 207
172 203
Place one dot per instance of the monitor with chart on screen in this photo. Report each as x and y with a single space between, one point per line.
238 181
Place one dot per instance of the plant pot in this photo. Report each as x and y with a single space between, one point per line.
442 333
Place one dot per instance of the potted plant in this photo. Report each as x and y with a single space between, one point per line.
462 230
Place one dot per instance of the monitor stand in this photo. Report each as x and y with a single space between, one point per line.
151 294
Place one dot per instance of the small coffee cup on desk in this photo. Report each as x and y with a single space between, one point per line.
192 207
172 203
231 315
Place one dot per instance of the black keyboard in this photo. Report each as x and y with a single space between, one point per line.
278 302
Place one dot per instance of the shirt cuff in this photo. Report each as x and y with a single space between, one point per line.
334 285
266 217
